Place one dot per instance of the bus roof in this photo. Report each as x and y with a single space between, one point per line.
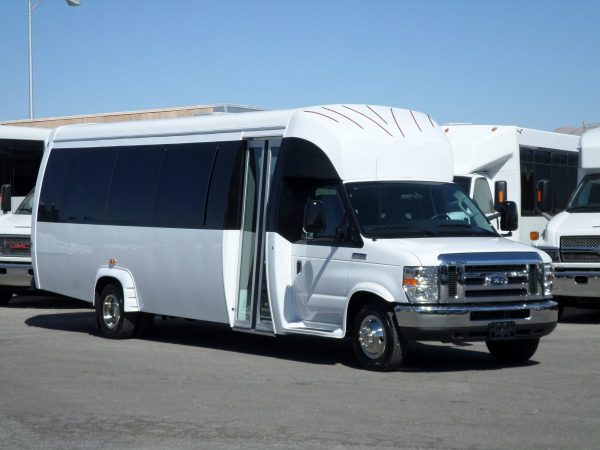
364 142
24 133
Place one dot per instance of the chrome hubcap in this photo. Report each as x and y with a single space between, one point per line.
372 337
111 311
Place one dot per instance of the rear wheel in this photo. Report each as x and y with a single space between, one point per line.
5 296
376 341
513 352
113 321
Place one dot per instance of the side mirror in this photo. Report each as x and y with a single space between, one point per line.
314 217
5 198
500 194
509 216
542 199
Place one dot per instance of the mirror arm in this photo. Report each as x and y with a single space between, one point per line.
546 215
492 216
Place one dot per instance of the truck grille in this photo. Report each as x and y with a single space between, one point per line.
484 277
580 248
15 246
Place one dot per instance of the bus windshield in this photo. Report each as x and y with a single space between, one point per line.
587 195
416 209
26 205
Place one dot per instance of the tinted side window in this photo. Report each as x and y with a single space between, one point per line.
537 164
86 187
133 187
51 208
183 184
25 170
224 207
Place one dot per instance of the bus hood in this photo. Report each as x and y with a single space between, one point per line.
571 224
18 224
427 250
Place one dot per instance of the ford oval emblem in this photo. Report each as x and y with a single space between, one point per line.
496 280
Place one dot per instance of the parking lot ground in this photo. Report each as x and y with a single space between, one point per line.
195 385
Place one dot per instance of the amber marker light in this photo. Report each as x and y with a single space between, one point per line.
534 235
409 282
112 261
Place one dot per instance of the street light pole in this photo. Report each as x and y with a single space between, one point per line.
30 11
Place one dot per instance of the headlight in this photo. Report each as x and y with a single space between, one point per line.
548 279
421 284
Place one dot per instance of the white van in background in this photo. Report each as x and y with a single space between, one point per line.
21 150
327 221
572 238
16 273
485 156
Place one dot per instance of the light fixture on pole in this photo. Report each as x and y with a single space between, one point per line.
31 9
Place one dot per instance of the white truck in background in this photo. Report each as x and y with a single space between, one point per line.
16 272
21 151
505 163
572 238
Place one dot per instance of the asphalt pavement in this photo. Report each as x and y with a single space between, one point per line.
197 385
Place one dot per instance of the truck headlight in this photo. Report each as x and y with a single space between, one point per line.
548 279
421 284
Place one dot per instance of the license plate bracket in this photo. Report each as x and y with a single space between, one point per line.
502 331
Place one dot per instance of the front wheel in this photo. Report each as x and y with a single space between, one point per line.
513 352
376 341
113 321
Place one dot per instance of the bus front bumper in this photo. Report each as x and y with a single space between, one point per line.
476 322
574 282
18 275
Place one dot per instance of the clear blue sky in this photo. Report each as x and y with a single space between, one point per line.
533 63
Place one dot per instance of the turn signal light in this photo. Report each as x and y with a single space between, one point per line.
534 235
112 261
409 282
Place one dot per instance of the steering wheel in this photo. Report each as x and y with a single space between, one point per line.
441 216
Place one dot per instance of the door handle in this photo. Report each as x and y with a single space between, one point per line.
298 267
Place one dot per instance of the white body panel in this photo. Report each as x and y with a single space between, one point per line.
494 152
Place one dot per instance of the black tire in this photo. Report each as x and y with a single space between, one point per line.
376 341
113 321
513 352
5 296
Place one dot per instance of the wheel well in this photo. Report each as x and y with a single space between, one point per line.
357 301
102 283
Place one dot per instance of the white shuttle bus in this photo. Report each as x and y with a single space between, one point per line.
506 162
329 221
572 238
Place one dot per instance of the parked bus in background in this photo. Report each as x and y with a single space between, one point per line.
326 221
520 157
572 238
21 150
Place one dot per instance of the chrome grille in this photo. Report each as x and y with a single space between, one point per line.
15 246
580 248
484 277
